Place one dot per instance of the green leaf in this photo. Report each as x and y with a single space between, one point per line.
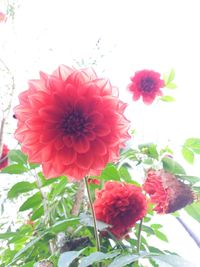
68 257
167 98
24 249
124 260
19 188
87 220
31 202
172 166
172 261
96 257
149 149
17 156
62 225
110 173
171 76
14 169
124 173
59 187
148 230
194 210
171 86
188 154
160 235
193 144
28 264
190 179
38 213
7 235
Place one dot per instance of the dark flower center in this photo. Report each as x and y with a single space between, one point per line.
147 85
74 123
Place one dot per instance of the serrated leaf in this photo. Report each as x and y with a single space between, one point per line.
21 187
14 169
172 261
167 98
68 257
188 154
194 211
172 166
17 156
31 202
87 220
96 257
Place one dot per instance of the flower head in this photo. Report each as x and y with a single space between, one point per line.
3 17
167 192
4 158
93 181
146 84
121 205
71 122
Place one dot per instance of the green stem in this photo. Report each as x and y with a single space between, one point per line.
139 236
93 215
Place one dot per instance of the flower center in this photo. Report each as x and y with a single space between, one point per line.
147 85
74 123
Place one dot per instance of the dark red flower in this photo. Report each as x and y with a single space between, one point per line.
71 122
93 181
146 84
120 205
167 192
4 158
3 17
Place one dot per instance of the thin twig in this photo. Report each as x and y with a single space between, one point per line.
139 236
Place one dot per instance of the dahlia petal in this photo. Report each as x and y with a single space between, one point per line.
59 144
55 83
81 145
34 123
96 117
50 113
84 161
102 129
67 140
65 156
48 136
48 170
63 72
47 153
98 147
38 85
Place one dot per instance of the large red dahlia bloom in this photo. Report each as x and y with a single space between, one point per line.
120 205
167 192
4 157
71 122
146 84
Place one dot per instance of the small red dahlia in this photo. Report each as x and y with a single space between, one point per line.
93 181
167 192
71 122
4 157
120 205
146 84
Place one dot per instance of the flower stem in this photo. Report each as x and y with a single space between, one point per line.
139 236
93 215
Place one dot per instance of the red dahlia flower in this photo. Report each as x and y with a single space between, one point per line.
146 84
120 205
4 158
71 122
167 192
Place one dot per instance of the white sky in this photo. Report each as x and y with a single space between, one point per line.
141 34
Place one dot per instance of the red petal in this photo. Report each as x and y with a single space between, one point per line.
81 145
84 161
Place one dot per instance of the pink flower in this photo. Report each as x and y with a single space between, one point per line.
4 158
71 122
120 205
93 181
167 192
146 84
3 17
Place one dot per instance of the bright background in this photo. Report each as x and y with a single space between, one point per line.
134 35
